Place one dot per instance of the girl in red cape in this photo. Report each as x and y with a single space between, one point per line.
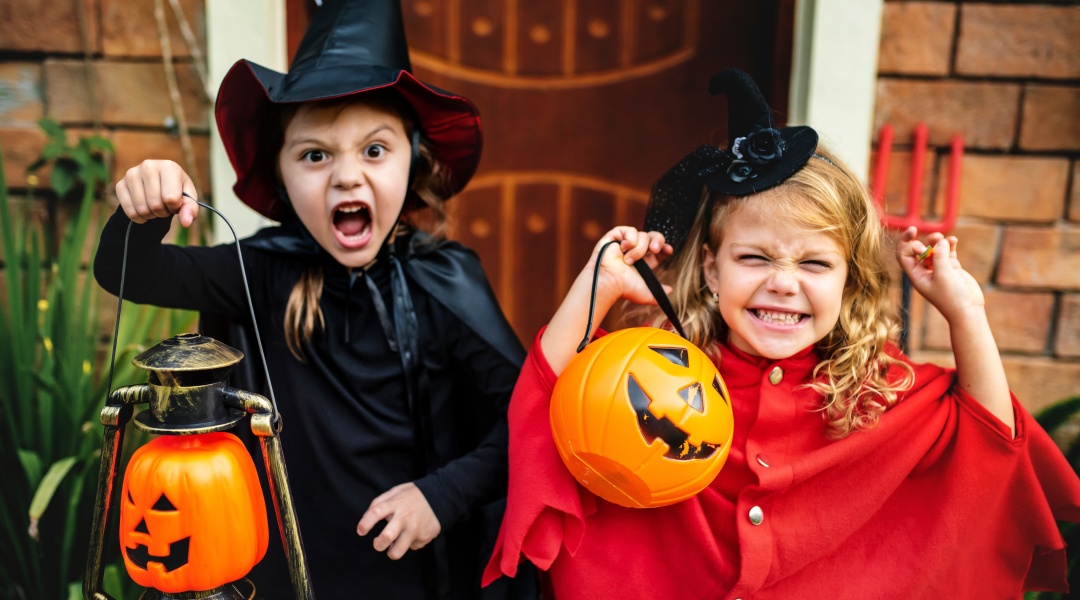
853 471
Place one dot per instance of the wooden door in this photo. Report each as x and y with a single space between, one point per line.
584 104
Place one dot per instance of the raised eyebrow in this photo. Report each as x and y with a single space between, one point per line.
316 141
302 141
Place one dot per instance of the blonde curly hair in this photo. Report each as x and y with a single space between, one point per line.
824 196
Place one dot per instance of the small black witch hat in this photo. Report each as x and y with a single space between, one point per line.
758 157
350 47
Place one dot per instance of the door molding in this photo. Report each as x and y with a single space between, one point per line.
235 29
834 74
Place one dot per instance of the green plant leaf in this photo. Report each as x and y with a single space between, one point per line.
62 179
53 129
31 464
112 582
1059 413
45 490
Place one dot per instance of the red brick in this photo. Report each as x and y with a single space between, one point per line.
21 146
1039 382
943 359
133 147
916 38
128 93
1020 322
1051 117
127 32
1074 196
1068 327
984 113
1040 257
20 93
1010 188
977 248
46 26
1019 41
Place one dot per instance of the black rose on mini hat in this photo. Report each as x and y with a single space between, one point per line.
760 147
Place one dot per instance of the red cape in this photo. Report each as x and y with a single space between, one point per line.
936 501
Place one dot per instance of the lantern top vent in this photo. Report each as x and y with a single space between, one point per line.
188 352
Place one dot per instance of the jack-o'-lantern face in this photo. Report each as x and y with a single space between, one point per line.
642 418
192 516
653 420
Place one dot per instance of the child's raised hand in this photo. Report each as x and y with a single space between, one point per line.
410 522
618 277
939 276
155 189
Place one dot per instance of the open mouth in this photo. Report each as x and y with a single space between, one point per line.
779 318
177 557
352 222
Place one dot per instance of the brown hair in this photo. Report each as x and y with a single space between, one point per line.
825 196
424 208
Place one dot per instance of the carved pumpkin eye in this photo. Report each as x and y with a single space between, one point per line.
677 356
692 395
719 387
163 504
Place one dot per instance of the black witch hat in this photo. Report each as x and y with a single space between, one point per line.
758 157
351 47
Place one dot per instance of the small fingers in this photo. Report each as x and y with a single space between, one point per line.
388 536
375 513
402 543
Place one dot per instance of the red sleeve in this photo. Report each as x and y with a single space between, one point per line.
545 507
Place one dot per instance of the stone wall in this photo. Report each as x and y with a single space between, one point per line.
1006 76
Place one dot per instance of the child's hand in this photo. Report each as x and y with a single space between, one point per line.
618 277
939 276
410 522
155 189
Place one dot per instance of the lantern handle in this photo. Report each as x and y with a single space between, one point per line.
650 281
275 416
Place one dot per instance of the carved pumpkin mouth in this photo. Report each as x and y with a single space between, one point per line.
178 555
653 427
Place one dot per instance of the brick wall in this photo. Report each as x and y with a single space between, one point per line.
43 73
45 51
1006 76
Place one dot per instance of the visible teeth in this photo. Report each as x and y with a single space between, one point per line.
352 209
782 318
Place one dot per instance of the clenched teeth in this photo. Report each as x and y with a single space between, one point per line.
782 318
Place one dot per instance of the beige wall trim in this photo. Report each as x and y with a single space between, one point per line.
834 74
255 30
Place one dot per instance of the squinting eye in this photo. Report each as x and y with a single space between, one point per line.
752 258
374 151
313 156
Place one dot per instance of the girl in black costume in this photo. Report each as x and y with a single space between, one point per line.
392 362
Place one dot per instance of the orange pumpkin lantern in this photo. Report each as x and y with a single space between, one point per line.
642 418
192 516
